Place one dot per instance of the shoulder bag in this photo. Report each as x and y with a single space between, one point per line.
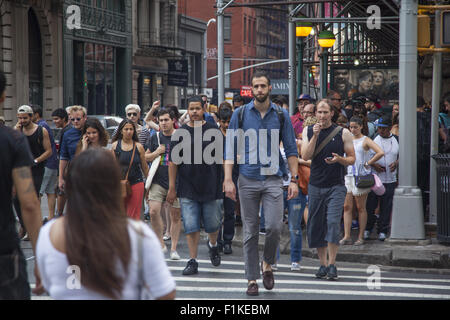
125 184
327 139
363 181
152 171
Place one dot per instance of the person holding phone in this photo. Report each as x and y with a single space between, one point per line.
326 189
92 135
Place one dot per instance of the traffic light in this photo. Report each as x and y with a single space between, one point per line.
313 71
445 28
423 31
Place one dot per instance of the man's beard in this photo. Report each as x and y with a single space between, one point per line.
262 98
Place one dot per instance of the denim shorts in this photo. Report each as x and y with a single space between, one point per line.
193 211
49 182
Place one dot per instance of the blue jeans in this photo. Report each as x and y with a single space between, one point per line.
209 212
296 207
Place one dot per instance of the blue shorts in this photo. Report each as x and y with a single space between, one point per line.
210 212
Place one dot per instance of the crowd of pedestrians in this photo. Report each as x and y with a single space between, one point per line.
210 168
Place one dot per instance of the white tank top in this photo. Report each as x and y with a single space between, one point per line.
362 156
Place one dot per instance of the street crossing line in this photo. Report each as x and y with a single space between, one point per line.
315 282
308 275
323 292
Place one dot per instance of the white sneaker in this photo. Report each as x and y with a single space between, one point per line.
274 267
295 266
366 235
174 255
164 249
382 236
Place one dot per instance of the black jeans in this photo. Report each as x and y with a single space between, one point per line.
226 233
386 202
13 277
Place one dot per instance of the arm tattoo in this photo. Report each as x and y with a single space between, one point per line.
24 172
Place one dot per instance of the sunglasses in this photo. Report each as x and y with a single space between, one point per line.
132 114
75 119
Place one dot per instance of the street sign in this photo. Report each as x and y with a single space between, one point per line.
246 91
445 29
208 92
177 73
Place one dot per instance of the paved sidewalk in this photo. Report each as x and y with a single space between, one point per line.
427 253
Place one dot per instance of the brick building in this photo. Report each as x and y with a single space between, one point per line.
243 44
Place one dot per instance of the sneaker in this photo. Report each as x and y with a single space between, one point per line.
164 249
214 254
44 221
355 225
332 272
227 249
366 235
382 236
295 266
174 255
166 237
274 267
322 273
191 268
25 237
146 217
262 231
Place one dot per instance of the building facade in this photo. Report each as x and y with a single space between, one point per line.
155 27
98 55
31 55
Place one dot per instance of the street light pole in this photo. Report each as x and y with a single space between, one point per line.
205 55
220 55
291 71
407 214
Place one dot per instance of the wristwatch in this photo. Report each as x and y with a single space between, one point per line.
294 179
35 161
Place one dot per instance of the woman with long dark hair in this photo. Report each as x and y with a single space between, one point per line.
96 242
93 134
362 166
131 157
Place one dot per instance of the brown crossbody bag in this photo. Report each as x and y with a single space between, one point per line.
125 184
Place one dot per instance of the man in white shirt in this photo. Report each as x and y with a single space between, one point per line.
386 169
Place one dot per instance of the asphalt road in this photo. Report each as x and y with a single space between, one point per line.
356 281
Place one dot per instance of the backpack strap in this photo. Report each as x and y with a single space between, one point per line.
278 111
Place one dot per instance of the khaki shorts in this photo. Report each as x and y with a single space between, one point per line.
158 193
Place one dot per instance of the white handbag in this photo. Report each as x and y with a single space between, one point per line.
153 169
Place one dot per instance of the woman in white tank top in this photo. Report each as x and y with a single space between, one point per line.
362 145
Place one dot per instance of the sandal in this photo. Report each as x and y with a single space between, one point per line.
359 242
346 242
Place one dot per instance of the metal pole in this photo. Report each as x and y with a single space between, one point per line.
299 66
292 84
407 215
205 55
220 55
436 95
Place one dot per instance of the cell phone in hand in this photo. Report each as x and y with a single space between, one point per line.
329 158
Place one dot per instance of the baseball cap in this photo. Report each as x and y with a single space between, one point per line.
304 96
384 121
25 109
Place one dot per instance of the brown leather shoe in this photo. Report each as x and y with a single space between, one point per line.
252 289
268 279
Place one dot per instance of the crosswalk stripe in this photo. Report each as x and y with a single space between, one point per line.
316 282
322 292
298 274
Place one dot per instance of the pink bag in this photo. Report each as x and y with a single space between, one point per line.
378 187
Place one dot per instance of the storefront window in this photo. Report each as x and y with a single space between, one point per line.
94 77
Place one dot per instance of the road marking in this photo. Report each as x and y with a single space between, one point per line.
299 274
322 292
315 282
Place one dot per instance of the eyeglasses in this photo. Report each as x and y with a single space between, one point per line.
307 112
336 99
132 114
75 119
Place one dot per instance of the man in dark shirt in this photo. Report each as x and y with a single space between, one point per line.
326 189
199 183
15 163
160 147
50 179
61 120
